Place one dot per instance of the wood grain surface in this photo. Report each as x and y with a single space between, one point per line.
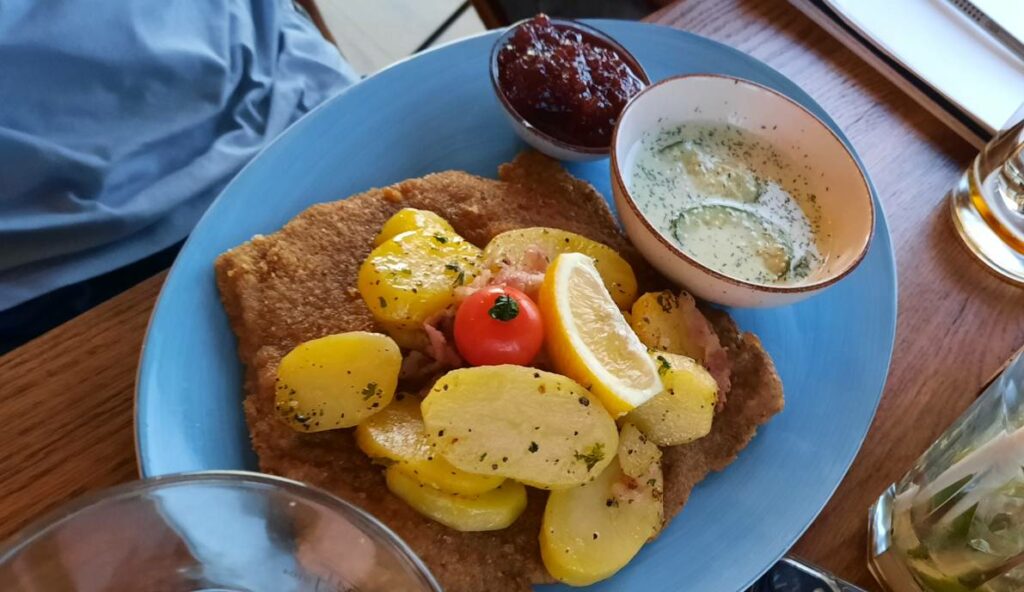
66 398
957 323
66 403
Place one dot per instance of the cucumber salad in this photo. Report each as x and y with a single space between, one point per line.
730 200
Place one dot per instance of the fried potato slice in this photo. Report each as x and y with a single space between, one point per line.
493 510
685 410
397 434
536 427
336 381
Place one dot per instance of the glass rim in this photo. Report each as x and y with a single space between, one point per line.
35 528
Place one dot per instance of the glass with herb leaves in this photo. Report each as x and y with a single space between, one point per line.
955 522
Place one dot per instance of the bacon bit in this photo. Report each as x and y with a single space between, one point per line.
481 281
535 259
441 319
528 282
718 365
418 368
528 275
701 333
443 352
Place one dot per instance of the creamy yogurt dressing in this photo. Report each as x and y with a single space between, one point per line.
730 200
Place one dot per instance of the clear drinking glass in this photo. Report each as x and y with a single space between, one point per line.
955 522
988 203
211 532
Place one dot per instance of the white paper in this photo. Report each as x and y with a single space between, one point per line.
947 50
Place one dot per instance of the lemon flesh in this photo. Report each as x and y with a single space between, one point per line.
590 341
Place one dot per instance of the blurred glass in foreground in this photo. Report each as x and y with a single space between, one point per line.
955 522
988 203
223 531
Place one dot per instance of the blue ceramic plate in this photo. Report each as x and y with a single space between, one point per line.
436 112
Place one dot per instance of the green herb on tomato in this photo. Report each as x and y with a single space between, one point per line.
505 308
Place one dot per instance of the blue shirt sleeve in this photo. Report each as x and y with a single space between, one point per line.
121 121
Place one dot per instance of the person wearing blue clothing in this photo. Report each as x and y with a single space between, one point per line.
121 121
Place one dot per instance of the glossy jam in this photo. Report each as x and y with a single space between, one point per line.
566 83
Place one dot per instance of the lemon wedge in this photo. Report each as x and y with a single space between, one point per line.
590 341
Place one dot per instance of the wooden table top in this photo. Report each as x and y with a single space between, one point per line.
67 397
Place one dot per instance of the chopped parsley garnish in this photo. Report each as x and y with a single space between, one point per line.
663 365
505 308
383 303
440 239
460 278
592 456
370 390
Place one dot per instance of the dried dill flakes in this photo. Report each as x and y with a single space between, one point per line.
663 365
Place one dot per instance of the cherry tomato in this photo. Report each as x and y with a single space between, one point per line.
498 325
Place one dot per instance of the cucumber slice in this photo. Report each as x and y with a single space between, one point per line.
716 176
746 233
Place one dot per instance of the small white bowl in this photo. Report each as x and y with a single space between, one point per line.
536 138
848 212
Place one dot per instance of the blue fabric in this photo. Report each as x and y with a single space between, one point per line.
121 121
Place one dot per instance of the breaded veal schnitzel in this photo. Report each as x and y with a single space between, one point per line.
299 284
